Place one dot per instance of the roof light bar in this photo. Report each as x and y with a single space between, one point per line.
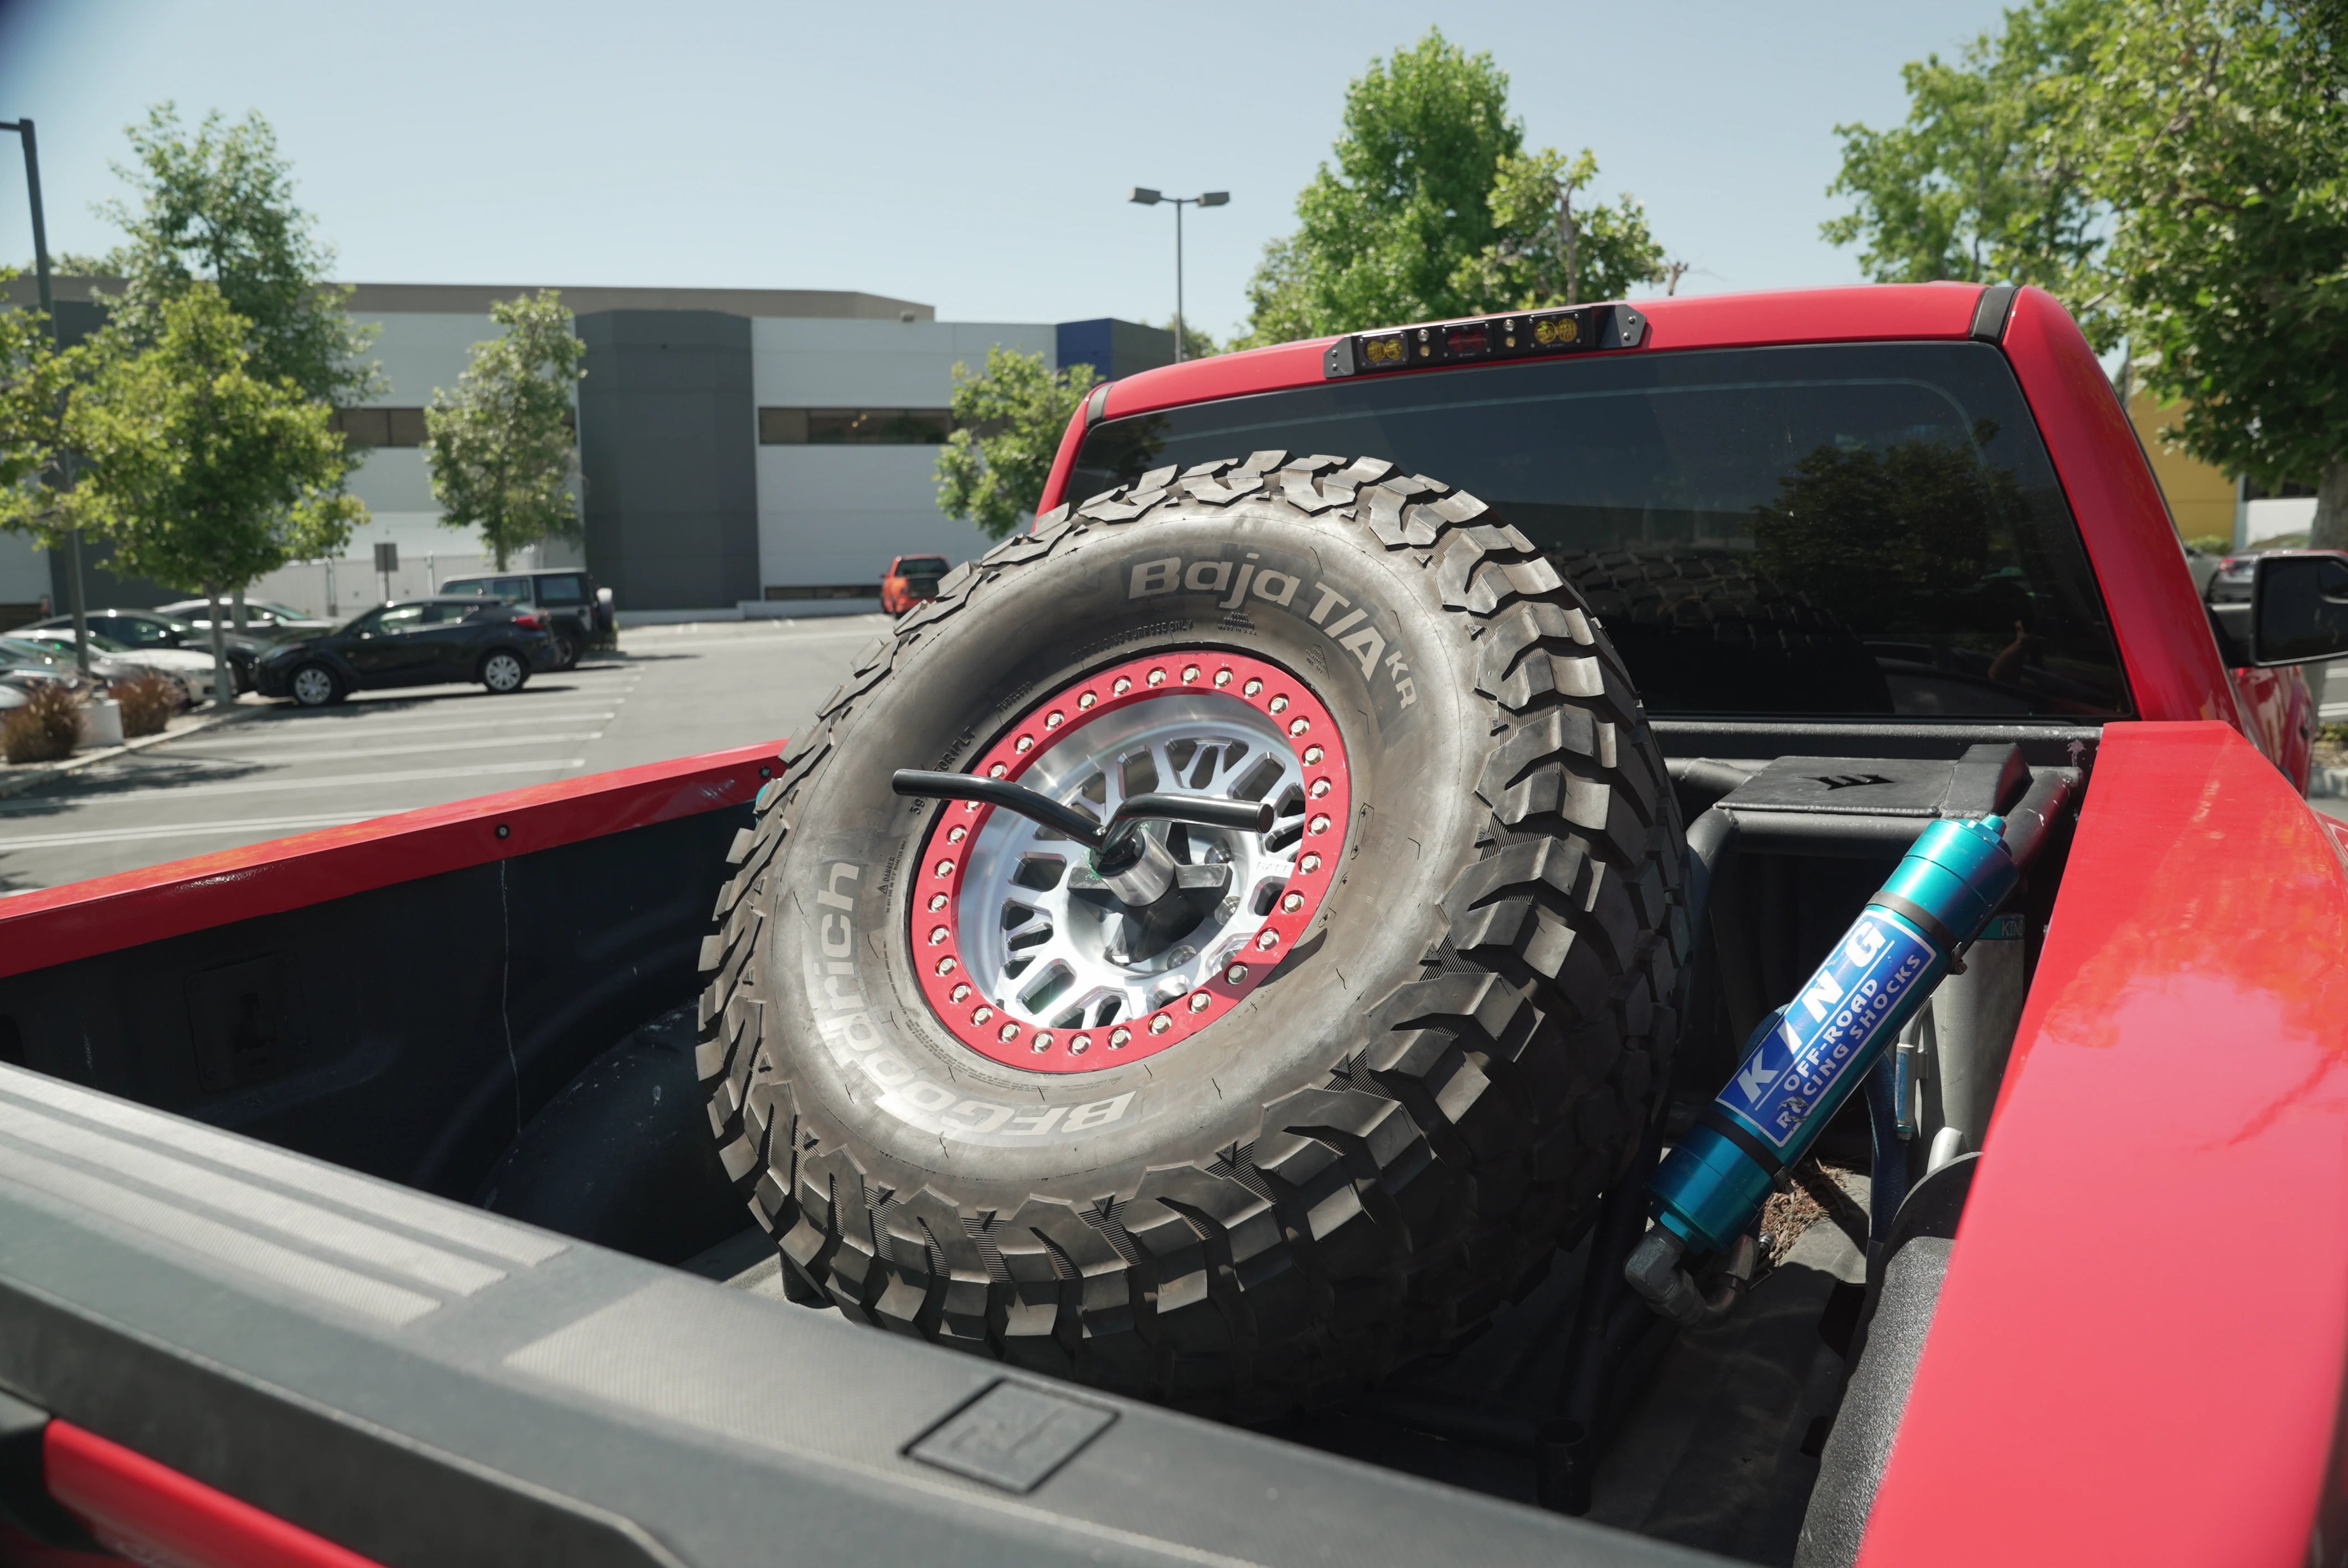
1527 335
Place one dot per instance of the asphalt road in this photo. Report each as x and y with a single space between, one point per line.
671 691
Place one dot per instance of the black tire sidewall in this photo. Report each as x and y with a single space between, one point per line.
887 1073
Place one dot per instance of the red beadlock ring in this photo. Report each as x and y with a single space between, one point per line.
999 1033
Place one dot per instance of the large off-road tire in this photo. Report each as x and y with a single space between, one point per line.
1424 1029
1709 632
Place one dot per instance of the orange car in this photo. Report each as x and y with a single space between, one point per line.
909 581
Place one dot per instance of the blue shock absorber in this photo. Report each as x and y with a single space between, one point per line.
1809 1056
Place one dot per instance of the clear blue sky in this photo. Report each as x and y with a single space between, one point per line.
971 157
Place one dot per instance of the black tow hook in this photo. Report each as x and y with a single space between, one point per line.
1137 868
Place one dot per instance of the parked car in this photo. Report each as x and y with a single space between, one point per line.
413 643
579 615
113 660
145 629
2230 584
263 618
910 580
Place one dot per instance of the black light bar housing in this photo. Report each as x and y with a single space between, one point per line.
1525 335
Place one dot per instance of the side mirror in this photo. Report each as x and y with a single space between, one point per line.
2299 603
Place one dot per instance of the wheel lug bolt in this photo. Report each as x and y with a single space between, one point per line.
946 965
956 833
1268 941
1118 1036
1043 1041
1010 1032
1253 687
1054 720
1298 726
1320 825
1189 675
945 867
1292 903
982 1014
1087 700
1024 743
961 994
1236 973
1320 788
1311 756
1081 1044
937 935
1124 684
998 770
1157 677
1278 705
937 902
1197 1001
1310 863
1223 677
1160 1024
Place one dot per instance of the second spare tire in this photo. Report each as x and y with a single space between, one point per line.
1335 1096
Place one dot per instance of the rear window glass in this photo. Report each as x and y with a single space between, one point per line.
1867 530
921 565
563 591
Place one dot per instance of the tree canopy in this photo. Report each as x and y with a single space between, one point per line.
2175 170
34 382
1008 421
501 448
1975 185
1432 207
217 206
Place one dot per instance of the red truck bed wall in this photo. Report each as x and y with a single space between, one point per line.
399 995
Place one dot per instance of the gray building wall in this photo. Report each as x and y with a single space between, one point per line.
668 439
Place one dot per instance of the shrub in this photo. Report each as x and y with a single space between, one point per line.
149 699
45 728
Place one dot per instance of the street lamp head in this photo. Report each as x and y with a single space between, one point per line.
1145 197
1215 198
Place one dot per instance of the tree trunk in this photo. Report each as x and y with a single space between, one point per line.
239 617
223 683
2329 530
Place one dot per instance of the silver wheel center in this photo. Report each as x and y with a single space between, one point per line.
1039 937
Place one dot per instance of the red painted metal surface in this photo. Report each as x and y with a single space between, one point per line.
935 935
2138 1352
110 913
2173 668
152 1513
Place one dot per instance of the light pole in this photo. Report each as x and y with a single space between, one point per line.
1145 197
23 129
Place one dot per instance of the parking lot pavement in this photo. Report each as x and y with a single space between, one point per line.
671 691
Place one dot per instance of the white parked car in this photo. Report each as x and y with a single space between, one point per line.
112 660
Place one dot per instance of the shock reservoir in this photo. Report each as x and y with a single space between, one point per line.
1809 1057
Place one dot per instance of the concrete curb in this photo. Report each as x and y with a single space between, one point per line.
24 776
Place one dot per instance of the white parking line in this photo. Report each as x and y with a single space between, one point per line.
324 780
324 751
129 834
410 727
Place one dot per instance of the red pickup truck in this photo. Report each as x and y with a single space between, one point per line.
1216 984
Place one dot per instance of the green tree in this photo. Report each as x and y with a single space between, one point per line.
1008 421
1975 185
217 207
1546 252
35 379
202 473
1382 234
2218 132
1195 344
1434 208
501 449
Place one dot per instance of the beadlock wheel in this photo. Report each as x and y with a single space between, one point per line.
1323 1105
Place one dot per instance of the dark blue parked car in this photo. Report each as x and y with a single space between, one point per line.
412 642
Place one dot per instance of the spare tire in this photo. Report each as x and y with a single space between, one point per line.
1255 1148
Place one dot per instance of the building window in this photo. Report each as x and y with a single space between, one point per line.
828 591
379 427
854 426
